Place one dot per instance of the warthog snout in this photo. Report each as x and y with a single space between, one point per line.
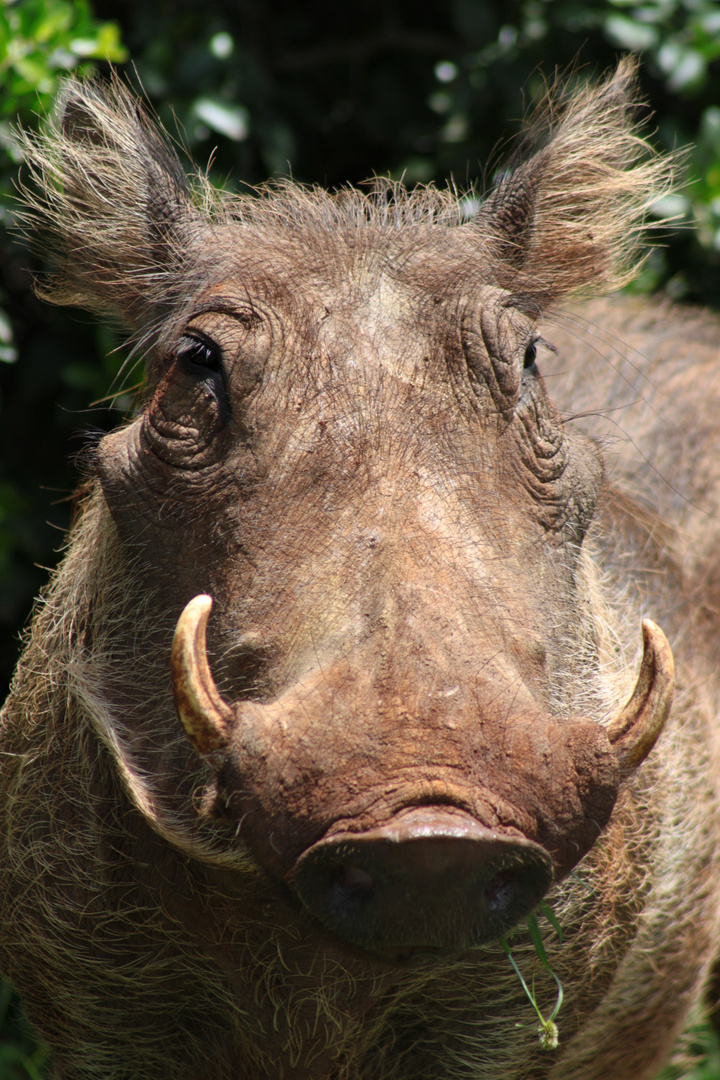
385 851
431 878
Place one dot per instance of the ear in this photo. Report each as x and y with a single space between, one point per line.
569 217
111 202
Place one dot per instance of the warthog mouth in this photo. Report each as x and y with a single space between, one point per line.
431 880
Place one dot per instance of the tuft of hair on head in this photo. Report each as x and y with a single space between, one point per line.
108 199
568 214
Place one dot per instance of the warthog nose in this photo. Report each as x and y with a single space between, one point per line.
430 879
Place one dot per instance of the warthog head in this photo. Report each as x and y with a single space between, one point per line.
347 444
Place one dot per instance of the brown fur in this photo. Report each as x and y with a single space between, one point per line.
378 509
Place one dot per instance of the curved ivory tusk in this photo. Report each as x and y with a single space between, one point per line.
635 729
201 710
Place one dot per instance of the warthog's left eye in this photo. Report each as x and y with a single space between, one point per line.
202 358
200 352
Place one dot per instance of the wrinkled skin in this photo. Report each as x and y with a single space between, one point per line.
418 716
396 614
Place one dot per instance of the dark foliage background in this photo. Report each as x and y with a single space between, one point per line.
329 93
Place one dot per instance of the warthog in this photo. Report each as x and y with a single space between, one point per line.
299 843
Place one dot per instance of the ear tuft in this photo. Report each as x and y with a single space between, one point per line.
569 218
111 202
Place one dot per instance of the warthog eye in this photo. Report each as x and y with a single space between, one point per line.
200 352
201 358
530 354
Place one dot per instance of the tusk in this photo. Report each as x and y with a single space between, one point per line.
635 729
201 710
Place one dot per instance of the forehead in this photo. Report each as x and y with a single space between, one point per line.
367 323
364 263
397 299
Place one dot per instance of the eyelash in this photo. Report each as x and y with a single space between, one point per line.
200 353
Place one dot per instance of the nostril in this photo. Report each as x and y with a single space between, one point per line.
351 887
354 880
501 891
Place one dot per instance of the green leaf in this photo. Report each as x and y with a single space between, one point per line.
105 45
230 120
537 939
516 969
631 34
57 19
684 67
552 919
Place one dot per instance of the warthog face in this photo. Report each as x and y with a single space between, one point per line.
348 445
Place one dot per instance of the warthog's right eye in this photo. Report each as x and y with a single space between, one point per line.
530 354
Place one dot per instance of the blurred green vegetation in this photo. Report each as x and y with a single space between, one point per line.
22 1057
327 93
65 361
